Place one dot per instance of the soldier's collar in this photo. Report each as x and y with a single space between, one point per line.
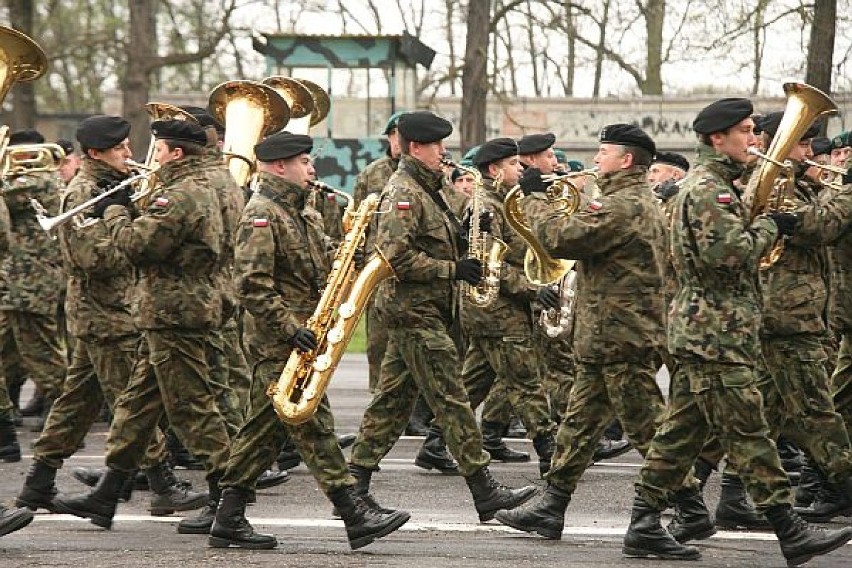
177 169
429 180
612 182
721 163
283 191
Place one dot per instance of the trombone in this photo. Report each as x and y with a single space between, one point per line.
25 159
830 176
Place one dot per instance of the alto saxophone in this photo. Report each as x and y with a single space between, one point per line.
556 321
485 247
302 384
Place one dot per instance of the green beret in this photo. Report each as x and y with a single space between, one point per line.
283 145
722 114
575 166
179 131
467 159
842 140
423 126
102 132
535 143
494 150
561 157
627 135
392 122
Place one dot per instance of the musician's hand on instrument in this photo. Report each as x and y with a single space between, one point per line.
531 181
469 270
787 223
847 177
549 298
359 257
304 339
121 198
485 221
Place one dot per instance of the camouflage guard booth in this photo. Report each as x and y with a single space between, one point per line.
351 136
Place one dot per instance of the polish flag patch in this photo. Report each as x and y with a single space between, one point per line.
260 222
724 198
403 205
595 205
331 197
161 201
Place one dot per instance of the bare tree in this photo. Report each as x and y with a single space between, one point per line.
474 82
821 45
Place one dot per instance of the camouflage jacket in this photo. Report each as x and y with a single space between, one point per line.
374 178
31 276
330 211
5 228
716 312
176 246
422 246
231 203
100 278
617 240
510 314
282 261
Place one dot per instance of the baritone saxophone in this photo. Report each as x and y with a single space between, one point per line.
302 384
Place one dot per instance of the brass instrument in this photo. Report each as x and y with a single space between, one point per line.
249 111
830 176
303 382
299 98
348 213
780 200
21 59
485 247
322 104
804 104
540 268
23 159
553 321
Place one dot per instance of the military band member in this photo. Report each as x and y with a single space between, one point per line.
71 163
420 239
175 246
713 329
668 169
100 284
462 182
618 242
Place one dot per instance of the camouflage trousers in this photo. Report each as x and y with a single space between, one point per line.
841 380
239 372
377 342
721 400
226 397
424 361
258 442
34 340
557 371
509 363
797 401
627 390
170 375
99 372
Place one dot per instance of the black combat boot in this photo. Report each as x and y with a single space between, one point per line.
179 456
433 454
515 429
91 475
364 523
201 524
646 537
10 450
12 520
289 456
98 505
800 542
608 449
702 470
490 497
169 496
792 459
421 416
693 518
36 405
492 441
734 510
39 488
271 478
544 516
809 486
833 500
231 526
545 445
362 477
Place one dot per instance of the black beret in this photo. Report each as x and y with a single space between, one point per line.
722 114
203 117
457 173
28 136
179 131
821 145
842 140
423 126
672 159
66 145
758 127
495 149
102 132
627 135
283 145
535 143
770 122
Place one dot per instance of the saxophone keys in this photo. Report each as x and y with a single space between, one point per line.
322 363
346 310
334 336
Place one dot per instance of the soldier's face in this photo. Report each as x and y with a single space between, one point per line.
736 141
68 167
801 151
115 157
464 184
393 144
298 169
612 158
545 161
658 173
165 154
839 156
509 170
430 154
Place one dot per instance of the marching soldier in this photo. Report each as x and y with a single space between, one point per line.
713 334
70 164
175 247
618 241
283 257
420 239
667 169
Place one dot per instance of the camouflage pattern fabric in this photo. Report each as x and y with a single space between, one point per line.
841 381
226 398
331 212
374 178
239 373
32 339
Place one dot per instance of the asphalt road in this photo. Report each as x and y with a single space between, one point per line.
443 531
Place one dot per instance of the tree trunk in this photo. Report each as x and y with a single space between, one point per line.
757 45
655 13
21 17
474 80
821 45
571 59
599 56
136 85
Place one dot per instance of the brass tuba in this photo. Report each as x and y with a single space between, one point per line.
322 103
23 159
249 111
21 60
303 382
299 98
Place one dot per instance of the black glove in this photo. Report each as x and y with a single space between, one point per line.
484 223
549 298
121 197
847 177
787 223
304 339
667 189
469 270
531 181
359 258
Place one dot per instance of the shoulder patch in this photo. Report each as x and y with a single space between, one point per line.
595 205
161 201
403 205
724 198
260 222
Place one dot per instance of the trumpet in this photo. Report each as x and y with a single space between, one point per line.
50 223
830 176
25 159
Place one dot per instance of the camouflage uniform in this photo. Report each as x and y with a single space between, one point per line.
100 283
500 342
713 328
6 405
373 180
421 244
795 331
175 246
330 211
282 261
618 241
31 279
